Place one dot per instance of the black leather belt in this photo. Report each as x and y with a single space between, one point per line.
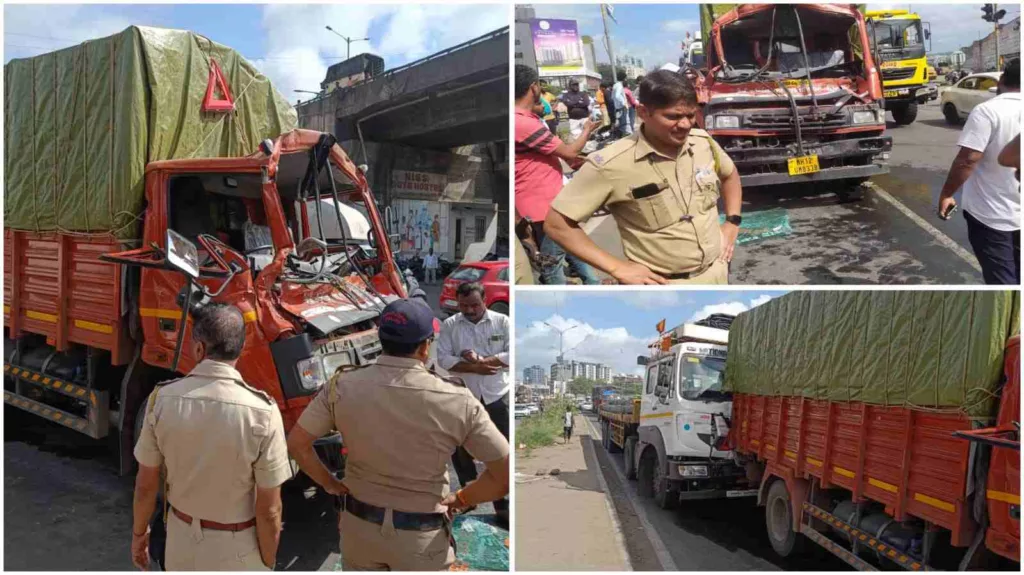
401 519
687 275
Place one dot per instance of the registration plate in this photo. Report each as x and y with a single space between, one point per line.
741 493
896 93
803 165
451 303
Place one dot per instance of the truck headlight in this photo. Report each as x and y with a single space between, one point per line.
693 470
865 117
311 373
727 122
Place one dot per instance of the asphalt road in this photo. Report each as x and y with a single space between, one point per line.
892 236
717 535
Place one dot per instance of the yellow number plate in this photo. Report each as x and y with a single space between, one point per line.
803 165
895 93
891 64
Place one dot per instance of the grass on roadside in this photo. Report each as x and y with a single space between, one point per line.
542 429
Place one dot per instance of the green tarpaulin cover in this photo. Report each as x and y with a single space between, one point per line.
80 124
922 349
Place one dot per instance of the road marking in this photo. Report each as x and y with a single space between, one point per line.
619 537
940 237
660 551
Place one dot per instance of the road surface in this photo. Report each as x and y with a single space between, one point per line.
717 535
892 236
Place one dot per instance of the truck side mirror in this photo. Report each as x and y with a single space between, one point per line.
641 360
182 254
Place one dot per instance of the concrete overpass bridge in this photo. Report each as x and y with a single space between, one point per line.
456 97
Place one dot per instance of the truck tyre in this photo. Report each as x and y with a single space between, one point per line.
605 442
905 114
851 190
645 474
665 494
612 446
778 515
952 116
628 457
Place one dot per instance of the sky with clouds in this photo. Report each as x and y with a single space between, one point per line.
612 327
287 42
653 32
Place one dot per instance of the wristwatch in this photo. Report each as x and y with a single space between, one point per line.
734 220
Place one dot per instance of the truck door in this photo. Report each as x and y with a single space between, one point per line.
656 405
215 222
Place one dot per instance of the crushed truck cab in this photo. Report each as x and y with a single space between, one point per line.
792 93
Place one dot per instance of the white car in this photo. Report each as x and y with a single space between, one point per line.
522 411
958 100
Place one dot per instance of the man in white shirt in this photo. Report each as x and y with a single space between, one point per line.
621 104
430 264
991 193
474 345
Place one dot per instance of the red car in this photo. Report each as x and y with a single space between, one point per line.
492 274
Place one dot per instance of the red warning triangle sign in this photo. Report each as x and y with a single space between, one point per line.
217 83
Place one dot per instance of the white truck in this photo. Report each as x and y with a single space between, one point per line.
673 439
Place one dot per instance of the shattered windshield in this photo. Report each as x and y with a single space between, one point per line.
701 377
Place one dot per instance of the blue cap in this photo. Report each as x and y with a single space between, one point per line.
408 321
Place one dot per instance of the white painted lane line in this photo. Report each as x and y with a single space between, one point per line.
660 551
940 237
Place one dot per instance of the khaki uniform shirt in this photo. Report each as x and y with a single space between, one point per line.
654 229
401 425
219 439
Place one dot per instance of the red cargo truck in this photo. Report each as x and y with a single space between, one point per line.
917 486
94 316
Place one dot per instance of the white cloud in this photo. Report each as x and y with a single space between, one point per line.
730 308
681 25
301 49
953 25
36 29
537 344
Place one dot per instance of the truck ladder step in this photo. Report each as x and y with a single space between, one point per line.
95 425
895 555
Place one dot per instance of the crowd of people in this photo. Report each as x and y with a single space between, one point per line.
660 182
662 179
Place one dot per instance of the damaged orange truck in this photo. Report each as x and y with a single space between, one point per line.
119 146
792 92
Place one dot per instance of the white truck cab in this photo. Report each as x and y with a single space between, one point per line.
682 452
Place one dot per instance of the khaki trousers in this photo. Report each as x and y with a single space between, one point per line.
717 274
192 548
366 546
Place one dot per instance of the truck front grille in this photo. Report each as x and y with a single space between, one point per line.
898 73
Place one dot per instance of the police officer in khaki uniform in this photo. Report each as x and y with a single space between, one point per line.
400 424
662 186
223 446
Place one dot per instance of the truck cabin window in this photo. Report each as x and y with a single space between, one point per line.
226 206
701 377
664 386
354 237
751 48
897 39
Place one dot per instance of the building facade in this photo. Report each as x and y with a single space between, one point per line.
535 375
981 54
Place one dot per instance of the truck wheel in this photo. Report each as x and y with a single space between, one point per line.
665 495
605 442
778 516
645 474
952 116
628 455
851 190
612 446
905 114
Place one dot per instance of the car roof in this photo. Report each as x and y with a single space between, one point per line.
995 75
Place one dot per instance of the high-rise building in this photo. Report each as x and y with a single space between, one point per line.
535 375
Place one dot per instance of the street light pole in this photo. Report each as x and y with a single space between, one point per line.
608 41
348 41
561 334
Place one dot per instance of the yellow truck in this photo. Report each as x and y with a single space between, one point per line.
898 39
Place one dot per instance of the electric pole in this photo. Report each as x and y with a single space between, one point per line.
608 41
